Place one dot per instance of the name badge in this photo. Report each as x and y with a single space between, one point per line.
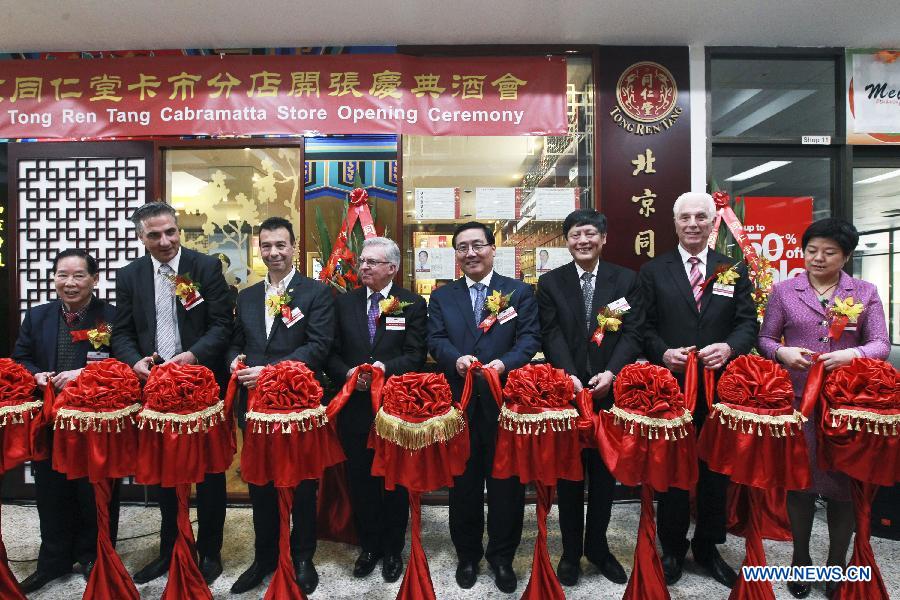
620 305
97 356
507 315
296 315
196 301
850 327
720 289
395 323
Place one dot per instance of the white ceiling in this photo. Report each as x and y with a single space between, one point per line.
58 25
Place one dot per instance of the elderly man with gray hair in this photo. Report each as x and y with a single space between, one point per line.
381 324
719 322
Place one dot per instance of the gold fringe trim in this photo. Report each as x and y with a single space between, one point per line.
14 414
535 423
747 422
67 418
415 436
305 420
673 429
863 420
195 422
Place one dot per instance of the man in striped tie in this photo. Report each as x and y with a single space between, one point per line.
152 319
684 314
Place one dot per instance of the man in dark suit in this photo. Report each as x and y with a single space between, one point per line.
720 323
395 343
265 336
570 298
455 341
152 319
45 346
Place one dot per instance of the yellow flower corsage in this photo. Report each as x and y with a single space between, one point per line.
277 303
728 277
392 306
607 320
98 337
185 288
497 302
847 308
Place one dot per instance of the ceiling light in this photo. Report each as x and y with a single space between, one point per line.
763 168
882 177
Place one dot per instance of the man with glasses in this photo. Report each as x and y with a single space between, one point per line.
570 298
153 320
297 318
47 347
381 324
462 330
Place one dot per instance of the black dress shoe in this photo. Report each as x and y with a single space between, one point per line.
568 571
505 578
391 568
831 588
466 574
210 568
715 566
86 569
799 589
251 578
157 567
611 569
365 563
672 568
37 580
307 578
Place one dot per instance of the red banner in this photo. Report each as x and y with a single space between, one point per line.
245 95
775 226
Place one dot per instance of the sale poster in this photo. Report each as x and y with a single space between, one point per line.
775 226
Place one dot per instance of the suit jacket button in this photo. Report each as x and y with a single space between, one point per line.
824 339
824 323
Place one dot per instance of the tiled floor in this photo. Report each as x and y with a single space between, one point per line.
334 561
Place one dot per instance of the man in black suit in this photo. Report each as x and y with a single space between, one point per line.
395 343
152 320
265 335
45 346
720 323
570 298
455 340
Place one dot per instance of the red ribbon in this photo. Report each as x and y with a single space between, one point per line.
838 323
79 335
493 381
691 383
358 209
9 586
724 211
814 382
487 323
338 402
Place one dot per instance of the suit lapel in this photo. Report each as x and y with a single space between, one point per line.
49 332
293 289
680 279
572 291
146 277
712 261
464 304
603 288
808 294
185 267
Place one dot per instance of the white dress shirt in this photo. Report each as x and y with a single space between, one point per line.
274 289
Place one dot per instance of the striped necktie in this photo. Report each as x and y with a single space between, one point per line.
696 280
166 344
587 293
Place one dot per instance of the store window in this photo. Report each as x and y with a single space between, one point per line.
772 98
223 194
521 186
876 214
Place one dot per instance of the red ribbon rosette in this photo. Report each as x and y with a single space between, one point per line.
538 440
184 434
21 439
420 442
753 435
859 434
647 438
287 440
96 437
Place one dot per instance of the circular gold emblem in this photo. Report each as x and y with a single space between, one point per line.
646 92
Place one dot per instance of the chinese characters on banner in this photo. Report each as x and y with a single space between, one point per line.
645 149
244 95
775 226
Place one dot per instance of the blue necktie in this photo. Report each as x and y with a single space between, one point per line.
478 305
374 310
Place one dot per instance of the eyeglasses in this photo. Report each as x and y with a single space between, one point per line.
463 249
371 262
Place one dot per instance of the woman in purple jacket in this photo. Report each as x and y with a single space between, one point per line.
794 329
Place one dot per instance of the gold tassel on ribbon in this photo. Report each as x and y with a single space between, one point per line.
415 436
